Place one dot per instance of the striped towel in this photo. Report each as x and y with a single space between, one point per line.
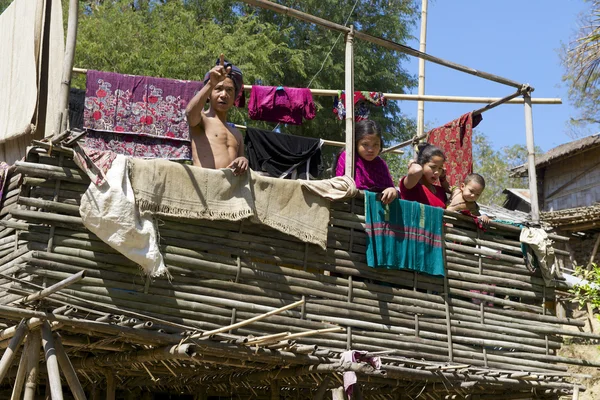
404 235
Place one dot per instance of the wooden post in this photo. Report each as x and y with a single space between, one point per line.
422 49
67 66
68 371
111 385
33 364
533 194
20 378
320 394
349 88
9 353
275 389
51 362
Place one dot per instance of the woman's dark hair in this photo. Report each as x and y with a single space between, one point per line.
367 127
426 151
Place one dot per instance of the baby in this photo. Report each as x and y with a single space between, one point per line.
465 197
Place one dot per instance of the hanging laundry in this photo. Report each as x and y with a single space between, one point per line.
279 154
543 250
454 139
404 235
138 105
362 102
281 104
137 146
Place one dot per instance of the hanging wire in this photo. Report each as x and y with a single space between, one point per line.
333 46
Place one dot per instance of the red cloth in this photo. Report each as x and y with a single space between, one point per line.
454 139
278 104
421 194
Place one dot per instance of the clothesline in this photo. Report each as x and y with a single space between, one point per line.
415 97
343 144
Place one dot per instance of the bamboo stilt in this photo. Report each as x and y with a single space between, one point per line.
13 346
51 362
68 370
20 378
34 338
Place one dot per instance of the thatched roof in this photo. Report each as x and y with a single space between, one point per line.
560 152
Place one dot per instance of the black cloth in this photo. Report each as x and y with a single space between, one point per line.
278 153
76 108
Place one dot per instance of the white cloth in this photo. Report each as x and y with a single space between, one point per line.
18 68
542 247
109 211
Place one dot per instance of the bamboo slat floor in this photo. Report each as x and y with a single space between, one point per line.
486 330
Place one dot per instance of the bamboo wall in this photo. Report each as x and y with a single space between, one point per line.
490 313
576 181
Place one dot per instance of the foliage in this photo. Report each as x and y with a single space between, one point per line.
4 5
589 289
581 59
494 165
182 39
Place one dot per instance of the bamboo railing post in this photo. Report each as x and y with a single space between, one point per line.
533 194
422 49
9 353
68 370
51 362
349 329
322 388
34 339
349 88
447 302
20 378
69 57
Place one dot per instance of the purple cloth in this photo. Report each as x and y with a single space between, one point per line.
139 105
356 356
368 175
277 104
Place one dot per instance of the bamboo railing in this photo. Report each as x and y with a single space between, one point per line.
489 322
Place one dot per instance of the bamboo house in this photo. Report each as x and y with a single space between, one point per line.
247 311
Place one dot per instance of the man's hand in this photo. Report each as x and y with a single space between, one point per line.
219 72
239 165
388 195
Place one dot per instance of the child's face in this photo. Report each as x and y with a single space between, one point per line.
432 169
369 147
223 95
471 191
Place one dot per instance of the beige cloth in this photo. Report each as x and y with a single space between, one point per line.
297 208
169 188
18 70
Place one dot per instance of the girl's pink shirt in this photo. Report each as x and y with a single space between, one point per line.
369 175
420 193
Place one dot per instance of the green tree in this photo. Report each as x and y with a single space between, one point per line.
494 166
182 38
581 59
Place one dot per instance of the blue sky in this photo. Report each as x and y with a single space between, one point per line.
516 39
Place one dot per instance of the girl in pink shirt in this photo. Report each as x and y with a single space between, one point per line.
426 179
370 171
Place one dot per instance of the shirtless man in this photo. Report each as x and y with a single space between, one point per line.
215 143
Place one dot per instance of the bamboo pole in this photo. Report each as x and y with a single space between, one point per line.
111 384
349 87
249 321
68 371
533 194
376 40
20 378
51 362
13 346
69 56
422 49
389 96
54 288
34 340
